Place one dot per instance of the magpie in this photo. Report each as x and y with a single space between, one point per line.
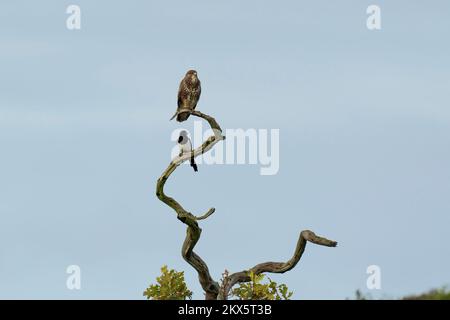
186 147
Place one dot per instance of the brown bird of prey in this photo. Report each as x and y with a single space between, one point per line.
188 95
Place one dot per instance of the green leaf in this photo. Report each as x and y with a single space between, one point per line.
170 286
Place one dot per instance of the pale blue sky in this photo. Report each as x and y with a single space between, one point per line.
364 125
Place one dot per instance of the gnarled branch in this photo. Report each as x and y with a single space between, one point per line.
275 267
193 232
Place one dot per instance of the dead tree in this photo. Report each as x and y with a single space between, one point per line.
212 289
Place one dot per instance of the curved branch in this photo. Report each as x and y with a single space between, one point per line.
275 267
206 146
193 232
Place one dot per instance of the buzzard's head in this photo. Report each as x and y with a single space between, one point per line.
192 74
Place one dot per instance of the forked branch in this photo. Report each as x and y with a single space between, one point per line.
274 267
193 232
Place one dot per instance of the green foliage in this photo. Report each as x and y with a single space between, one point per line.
434 294
170 286
256 290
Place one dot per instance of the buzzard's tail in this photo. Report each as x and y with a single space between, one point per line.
183 116
193 164
173 116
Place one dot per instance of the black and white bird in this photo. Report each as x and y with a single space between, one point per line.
186 147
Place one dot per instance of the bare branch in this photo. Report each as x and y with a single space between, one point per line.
193 232
206 146
275 267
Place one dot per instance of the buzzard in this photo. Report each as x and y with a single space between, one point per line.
188 95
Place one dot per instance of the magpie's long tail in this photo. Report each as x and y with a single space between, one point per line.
193 164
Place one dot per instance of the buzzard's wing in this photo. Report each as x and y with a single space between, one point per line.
182 94
198 95
196 92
